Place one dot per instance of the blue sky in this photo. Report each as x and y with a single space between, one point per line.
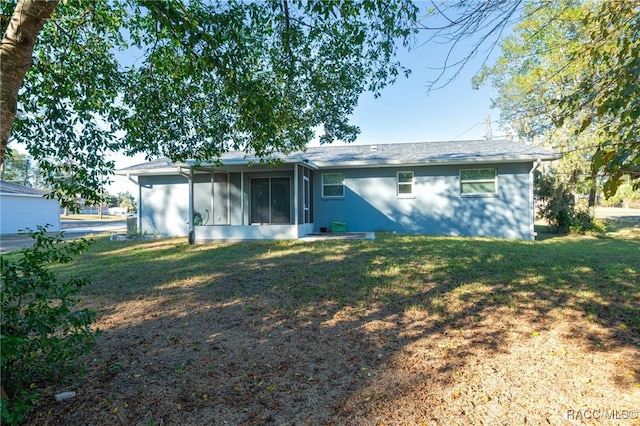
406 112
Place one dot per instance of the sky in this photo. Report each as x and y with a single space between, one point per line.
406 111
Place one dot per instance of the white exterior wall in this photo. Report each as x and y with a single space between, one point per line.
18 212
252 232
163 207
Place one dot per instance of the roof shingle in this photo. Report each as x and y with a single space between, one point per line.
390 154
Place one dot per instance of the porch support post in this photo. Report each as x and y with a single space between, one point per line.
241 195
532 200
191 226
212 205
296 195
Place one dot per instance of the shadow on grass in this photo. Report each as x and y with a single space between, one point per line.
284 332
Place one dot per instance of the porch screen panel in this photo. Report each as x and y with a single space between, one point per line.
260 200
202 199
280 200
270 200
221 199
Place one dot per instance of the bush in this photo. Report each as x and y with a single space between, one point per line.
557 206
583 222
42 336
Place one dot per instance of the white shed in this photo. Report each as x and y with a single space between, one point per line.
23 207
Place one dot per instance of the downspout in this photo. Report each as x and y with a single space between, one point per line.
532 201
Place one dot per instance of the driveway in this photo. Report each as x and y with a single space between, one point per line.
71 228
616 212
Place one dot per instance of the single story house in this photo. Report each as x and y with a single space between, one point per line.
466 188
22 207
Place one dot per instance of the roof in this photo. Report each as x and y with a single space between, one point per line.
17 189
454 152
418 153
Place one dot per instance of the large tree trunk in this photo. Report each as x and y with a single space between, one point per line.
16 53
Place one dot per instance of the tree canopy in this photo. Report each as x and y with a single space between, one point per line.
568 76
188 79
195 79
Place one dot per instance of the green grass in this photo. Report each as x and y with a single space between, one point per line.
457 279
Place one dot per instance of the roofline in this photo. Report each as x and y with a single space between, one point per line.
143 172
436 162
354 164
190 163
17 194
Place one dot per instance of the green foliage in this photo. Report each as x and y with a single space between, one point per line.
19 168
583 222
626 196
557 205
207 77
568 77
609 92
126 200
42 335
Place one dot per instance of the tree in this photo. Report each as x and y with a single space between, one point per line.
126 200
570 72
607 97
210 77
539 64
20 168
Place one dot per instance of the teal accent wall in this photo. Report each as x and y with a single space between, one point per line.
371 202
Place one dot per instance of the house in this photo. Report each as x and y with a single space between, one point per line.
22 207
469 188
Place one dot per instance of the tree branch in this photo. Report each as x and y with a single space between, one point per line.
16 53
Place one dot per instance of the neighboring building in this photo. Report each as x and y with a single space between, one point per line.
470 188
22 207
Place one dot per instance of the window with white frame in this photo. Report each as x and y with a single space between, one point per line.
332 185
405 184
478 182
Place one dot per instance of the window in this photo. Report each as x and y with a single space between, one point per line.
332 185
478 181
270 200
405 184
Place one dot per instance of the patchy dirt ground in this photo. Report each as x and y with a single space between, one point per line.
192 364
188 356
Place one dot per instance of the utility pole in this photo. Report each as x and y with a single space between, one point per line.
489 132
26 171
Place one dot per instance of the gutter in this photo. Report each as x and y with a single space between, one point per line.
132 179
532 201
429 162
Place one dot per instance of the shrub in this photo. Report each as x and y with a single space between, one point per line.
557 206
42 335
583 222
